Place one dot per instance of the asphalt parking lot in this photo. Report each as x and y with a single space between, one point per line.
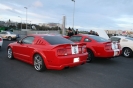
114 73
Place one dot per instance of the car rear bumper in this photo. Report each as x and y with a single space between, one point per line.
1 43
68 62
70 65
109 54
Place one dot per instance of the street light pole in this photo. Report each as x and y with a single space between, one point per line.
26 16
21 22
30 24
73 12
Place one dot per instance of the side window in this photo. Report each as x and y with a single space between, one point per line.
87 40
28 40
76 38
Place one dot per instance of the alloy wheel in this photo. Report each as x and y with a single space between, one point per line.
127 52
38 62
9 53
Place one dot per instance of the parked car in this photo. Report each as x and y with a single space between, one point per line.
48 52
98 47
126 44
1 42
9 35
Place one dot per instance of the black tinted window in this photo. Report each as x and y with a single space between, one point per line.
76 38
99 39
53 40
28 40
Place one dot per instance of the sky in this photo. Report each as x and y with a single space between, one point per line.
88 14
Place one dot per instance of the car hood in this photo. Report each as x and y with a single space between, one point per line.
102 33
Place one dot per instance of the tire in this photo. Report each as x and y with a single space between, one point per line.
127 52
39 63
90 56
10 53
9 38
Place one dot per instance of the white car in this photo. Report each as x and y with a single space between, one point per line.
1 42
126 44
9 35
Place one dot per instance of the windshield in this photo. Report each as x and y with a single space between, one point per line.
99 39
54 40
11 33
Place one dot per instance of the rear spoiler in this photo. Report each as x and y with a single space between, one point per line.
64 45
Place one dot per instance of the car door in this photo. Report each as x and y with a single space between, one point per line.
24 48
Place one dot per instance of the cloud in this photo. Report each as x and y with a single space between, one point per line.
37 4
89 14
4 7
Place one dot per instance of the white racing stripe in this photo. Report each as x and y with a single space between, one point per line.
74 49
115 48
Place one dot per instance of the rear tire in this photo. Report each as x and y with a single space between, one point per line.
39 63
90 56
127 52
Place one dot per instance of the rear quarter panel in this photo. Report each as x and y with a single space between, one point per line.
93 45
129 44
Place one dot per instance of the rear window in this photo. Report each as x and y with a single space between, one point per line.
129 38
75 38
54 40
115 39
99 39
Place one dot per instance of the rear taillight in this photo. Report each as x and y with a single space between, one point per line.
0 39
84 50
108 47
119 46
62 52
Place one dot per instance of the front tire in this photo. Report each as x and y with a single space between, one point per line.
39 63
10 53
9 38
127 52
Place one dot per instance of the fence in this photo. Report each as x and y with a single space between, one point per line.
25 33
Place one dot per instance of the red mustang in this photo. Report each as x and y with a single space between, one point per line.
98 47
48 52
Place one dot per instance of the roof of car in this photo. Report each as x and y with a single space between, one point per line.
43 35
6 31
84 35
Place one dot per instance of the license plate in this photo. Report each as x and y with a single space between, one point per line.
116 53
76 60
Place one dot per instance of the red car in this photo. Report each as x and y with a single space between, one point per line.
98 47
48 52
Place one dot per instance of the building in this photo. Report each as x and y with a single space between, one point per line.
50 25
119 32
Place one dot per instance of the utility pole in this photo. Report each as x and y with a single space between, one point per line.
26 16
73 13
21 22
63 25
